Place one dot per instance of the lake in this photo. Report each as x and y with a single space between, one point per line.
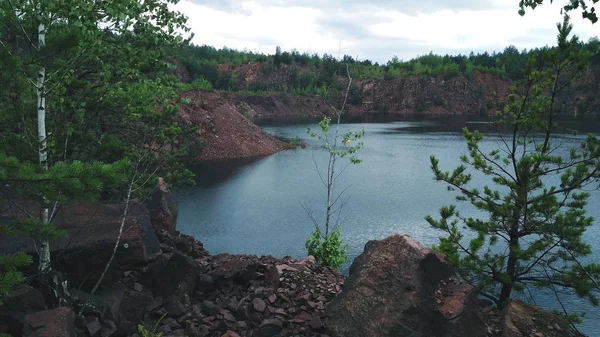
255 206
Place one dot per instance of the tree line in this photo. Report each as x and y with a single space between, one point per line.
311 72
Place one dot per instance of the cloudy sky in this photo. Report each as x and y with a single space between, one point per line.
376 29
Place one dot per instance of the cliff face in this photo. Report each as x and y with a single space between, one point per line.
424 95
480 95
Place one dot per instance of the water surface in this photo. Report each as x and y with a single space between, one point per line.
255 206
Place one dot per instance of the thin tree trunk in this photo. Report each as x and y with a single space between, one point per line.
115 247
45 263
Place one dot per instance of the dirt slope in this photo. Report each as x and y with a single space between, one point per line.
227 133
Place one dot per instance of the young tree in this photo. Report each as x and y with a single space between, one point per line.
534 232
327 248
95 75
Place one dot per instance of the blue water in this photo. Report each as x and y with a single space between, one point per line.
255 206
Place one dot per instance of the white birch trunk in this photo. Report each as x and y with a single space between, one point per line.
44 266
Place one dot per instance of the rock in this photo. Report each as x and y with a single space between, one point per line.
126 328
112 296
50 323
94 305
203 330
239 267
269 328
92 229
243 312
316 323
259 305
134 303
242 325
178 277
232 304
397 287
523 320
108 329
191 330
228 316
23 300
275 272
230 334
210 308
175 308
169 325
205 283
162 207
106 303
221 326
138 287
156 303
91 325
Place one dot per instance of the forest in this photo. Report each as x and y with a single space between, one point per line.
315 74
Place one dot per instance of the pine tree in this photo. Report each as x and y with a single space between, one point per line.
533 235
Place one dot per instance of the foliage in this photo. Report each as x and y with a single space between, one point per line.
533 234
199 83
587 7
328 250
569 318
145 333
295 142
98 73
10 276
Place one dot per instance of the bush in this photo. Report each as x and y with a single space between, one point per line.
200 83
328 250
421 104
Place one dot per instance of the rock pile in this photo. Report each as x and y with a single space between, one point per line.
242 295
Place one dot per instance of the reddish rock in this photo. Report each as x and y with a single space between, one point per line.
50 323
162 207
224 128
524 320
178 277
399 288
259 305
92 230
269 328
230 334
23 300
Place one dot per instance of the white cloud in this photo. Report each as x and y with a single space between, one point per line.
375 29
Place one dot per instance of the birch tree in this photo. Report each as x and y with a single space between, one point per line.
95 76
326 245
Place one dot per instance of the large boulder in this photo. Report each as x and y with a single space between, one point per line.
22 301
523 320
162 207
177 278
92 230
105 304
50 323
399 288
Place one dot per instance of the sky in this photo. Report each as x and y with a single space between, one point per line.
376 29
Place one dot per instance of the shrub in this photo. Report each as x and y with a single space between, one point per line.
328 250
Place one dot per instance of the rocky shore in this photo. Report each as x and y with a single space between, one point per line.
165 282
